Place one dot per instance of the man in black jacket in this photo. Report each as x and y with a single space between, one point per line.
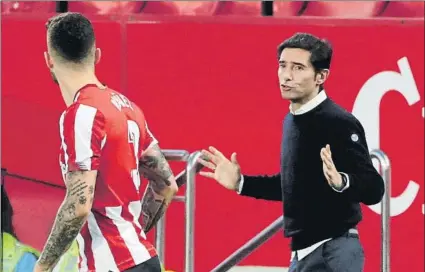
326 170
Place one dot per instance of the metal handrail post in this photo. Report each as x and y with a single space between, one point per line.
176 154
385 208
250 246
191 170
170 155
160 239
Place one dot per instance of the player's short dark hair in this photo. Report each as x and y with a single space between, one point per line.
320 49
71 35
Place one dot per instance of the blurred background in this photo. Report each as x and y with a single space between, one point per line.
205 73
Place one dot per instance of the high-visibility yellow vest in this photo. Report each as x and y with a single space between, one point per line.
69 261
13 250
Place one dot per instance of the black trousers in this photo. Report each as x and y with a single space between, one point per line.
341 254
151 265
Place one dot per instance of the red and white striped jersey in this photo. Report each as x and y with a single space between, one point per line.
102 130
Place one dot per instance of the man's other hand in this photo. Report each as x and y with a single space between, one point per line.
329 170
226 172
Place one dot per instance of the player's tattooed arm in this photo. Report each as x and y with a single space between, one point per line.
153 208
70 218
162 186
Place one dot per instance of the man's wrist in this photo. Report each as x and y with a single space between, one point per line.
344 183
239 184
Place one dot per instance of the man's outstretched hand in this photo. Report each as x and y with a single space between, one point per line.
226 172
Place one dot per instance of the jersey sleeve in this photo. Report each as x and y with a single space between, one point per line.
150 140
82 130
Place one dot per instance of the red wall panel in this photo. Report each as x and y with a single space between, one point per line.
214 82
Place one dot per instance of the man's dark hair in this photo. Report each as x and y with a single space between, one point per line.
71 35
321 50
6 213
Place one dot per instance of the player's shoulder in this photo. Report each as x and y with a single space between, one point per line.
107 101
88 101
341 118
81 113
106 98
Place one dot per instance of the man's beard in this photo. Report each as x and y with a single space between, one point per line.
55 80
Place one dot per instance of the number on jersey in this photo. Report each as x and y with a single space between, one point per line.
133 139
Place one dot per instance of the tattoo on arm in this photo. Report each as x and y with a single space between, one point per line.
69 219
91 193
153 207
156 169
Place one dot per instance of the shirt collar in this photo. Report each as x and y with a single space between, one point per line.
316 101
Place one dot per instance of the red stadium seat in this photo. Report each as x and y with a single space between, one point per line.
288 8
197 7
131 7
351 9
26 6
252 8
104 7
202 7
86 7
404 9
158 7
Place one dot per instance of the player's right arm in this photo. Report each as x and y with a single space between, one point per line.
162 185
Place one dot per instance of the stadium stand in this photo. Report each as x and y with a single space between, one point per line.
105 7
340 9
289 8
26 6
409 9
345 9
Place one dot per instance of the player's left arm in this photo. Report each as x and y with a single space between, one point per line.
83 135
161 189
363 182
162 183
70 218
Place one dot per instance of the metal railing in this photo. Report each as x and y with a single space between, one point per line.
246 249
170 155
188 177
385 165
250 246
